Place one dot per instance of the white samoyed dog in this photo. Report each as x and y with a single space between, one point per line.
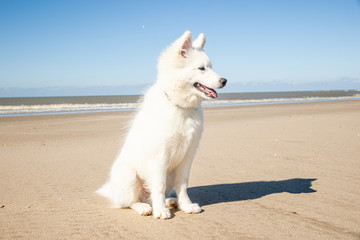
159 149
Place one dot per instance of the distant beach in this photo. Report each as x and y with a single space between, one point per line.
83 104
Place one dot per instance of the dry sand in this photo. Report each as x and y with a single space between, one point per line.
288 171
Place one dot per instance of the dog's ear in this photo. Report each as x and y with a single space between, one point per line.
185 44
200 41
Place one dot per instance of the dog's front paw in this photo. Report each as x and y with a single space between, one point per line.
163 213
191 208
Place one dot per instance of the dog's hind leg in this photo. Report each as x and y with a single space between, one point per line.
126 189
142 208
171 203
124 186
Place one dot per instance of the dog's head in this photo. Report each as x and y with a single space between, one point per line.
185 68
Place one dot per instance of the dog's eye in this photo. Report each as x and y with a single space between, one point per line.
202 68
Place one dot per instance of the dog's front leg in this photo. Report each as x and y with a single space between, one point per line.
158 187
181 183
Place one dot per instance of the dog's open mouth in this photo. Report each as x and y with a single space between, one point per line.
209 92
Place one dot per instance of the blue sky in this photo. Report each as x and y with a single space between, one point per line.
85 44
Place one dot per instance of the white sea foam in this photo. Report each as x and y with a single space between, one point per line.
276 100
8 110
59 108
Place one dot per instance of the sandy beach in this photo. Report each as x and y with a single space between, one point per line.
286 171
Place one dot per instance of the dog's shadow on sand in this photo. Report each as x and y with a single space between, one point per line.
212 194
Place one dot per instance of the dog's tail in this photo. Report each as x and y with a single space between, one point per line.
105 190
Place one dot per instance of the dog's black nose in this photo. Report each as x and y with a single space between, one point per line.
223 82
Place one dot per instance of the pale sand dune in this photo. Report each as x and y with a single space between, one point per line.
287 171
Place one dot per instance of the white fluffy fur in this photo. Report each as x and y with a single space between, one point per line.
158 151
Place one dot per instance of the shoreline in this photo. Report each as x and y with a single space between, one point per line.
207 104
205 109
279 171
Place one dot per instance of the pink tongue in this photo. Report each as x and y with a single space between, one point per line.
210 91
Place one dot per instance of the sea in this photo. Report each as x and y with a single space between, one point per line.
84 104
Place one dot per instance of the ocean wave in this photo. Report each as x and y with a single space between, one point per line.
104 107
59 108
276 100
